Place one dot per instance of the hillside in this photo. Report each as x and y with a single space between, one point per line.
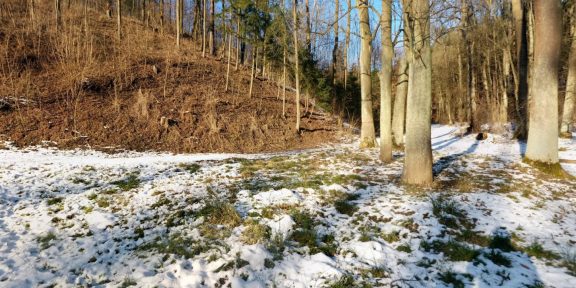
80 87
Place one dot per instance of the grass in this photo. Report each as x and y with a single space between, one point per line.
455 279
46 240
535 249
555 170
175 244
220 213
255 232
498 258
128 282
569 262
103 202
391 237
452 250
345 281
128 184
191 168
54 201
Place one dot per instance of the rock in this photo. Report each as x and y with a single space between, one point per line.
482 136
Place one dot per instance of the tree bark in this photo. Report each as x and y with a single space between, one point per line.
204 29
308 26
336 40
418 159
367 133
178 17
119 15
386 83
543 131
570 98
212 28
521 30
58 14
399 114
347 43
296 64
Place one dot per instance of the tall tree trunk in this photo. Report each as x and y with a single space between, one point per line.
470 96
418 159
399 114
335 49
367 133
32 11
308 26
58 14
162 16
228 64
296 64
347 43
254 55
119 20
212 29
521 30
238 48
178 27
543 131
570 99
386 83
204 29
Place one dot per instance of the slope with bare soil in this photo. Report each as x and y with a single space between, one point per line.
81 87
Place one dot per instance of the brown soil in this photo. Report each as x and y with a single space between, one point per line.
123 102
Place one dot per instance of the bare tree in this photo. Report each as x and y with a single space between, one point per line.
418 148
570 99
543 131
296 64
119 20
519 12
335 49
58 13
347 43
386 82
399 115
367 134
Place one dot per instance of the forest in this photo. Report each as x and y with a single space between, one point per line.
286 143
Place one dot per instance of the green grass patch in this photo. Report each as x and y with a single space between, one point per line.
452 250
220 213
191 168
454 279
128 184
54 201
46 240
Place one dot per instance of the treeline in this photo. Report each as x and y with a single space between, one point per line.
482 62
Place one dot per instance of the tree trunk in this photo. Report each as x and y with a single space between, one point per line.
58 14
178 17
237 43
254 55
347 43
296 64
418 159
399 114
521 30
386 83
367 134
119 15
470 95
308 27
228 64
162 16
335 49
204 29
543 131
570 99
212 30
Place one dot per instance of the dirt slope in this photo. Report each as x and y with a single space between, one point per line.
87 89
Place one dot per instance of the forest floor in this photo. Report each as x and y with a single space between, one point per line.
327 217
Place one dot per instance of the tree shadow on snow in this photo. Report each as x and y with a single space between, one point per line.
501 265
444 162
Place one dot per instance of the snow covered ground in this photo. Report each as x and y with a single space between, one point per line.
329 217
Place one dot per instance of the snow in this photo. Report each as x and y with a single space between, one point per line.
70 218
